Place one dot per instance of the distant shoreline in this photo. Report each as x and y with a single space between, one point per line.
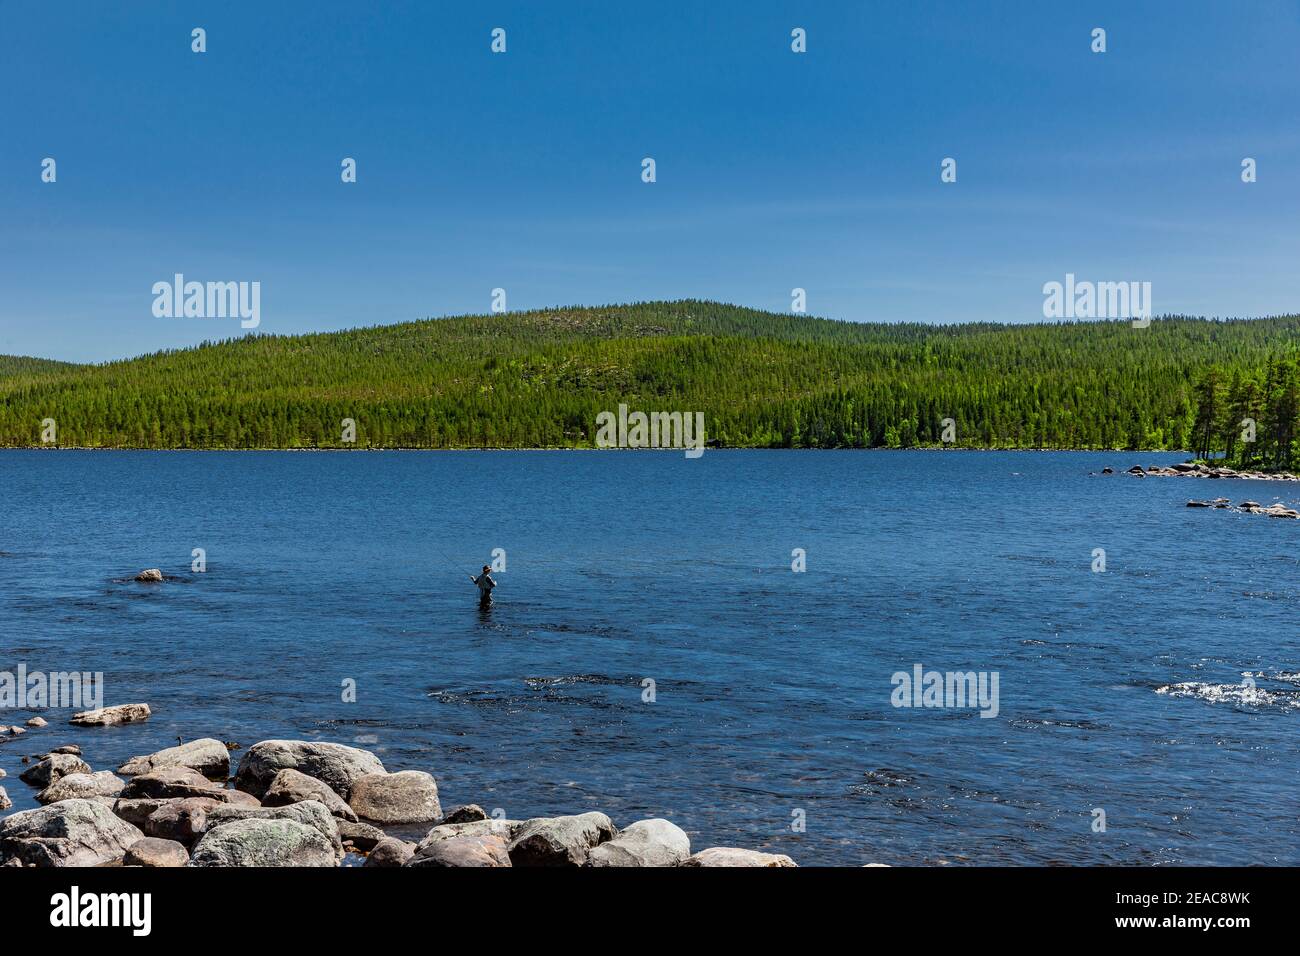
503 448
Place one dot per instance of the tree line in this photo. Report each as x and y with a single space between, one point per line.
539 379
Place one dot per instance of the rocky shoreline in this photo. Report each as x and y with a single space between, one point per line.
1189 469
297 803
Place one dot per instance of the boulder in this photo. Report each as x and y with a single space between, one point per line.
5 802
334 764
264 842
209 757
361 835
409 796
111 716
390 852
1198 504
1185 466
52 768
152 575
84 786
37 722
484 849
292 786
644 843
170 782
67 749
309 813
467 814
181 820
68 833
156 853
730 856
560 841
505 829
137 810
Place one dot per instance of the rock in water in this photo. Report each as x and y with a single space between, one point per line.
181 820
5 802
473 850
111 716
409 796
644 843
170 782
52 768
68 833
730 856
156 853
209 757
292 786
83 786
263 842
336 765
390 852
309 813
560 841
505 829
361 835
469 813
152 575
37 722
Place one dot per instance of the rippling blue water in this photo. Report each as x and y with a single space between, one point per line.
772 688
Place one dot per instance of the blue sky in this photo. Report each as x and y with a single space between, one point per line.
522 170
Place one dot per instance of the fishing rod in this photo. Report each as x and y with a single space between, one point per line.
452 563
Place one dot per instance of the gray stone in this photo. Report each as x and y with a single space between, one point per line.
151 575
111 716
207 756
334 764
156 853
471 850
264 842
68 833
410 796
361 835
730 856
52 768
83 786
5 802
653 842
311 813
37 722
560 841
293 786
170 782
390 852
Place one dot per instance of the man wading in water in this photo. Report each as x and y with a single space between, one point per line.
485 586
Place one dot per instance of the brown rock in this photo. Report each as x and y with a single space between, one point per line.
472 851
390 852
153 852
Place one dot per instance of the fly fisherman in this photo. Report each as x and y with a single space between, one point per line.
485 586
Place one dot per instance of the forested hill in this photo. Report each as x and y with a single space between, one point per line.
21 364
540 379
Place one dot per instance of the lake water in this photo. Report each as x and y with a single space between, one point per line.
772 688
